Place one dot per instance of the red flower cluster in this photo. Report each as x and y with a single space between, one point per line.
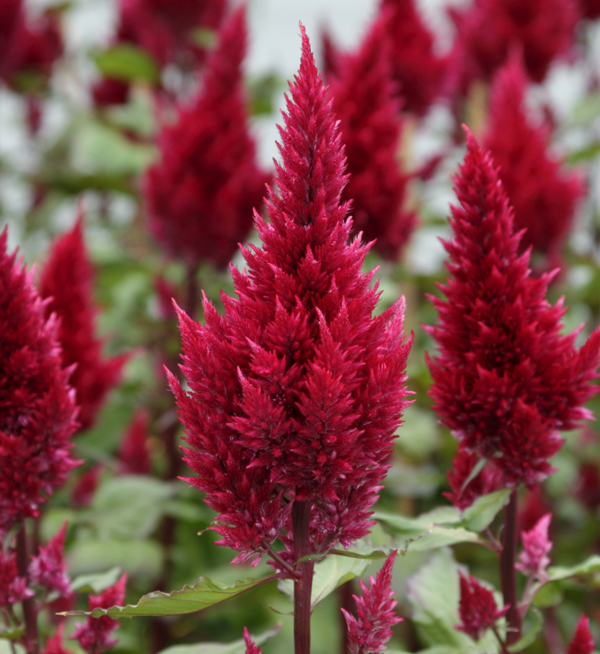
200 195
67 283
37 405
505 379
543 196
134 455
467 488
364 102
54 645
48 569
297 391
13 588
477 608
582 642
534 559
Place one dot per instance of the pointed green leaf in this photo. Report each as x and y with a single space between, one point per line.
128 63
484 509
12 633
236 647
587 567
95 583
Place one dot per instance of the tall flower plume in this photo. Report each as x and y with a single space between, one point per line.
201 193
505 379
67 283
37 405
297 390
477 608
582 642
365 104
543 195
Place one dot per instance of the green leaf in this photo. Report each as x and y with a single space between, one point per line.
128 63
484 509
12 633
531 634
95 583
550 594
141 559
236 647
190 599
587 567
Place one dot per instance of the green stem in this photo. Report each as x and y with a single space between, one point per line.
303 584
508 578
31 639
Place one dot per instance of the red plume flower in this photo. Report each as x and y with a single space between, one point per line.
200 195
505 378
477 608
543 196
134 455
465 490
67 282
582 642
297 390
48 569
251 646
376 615
534 559
37 405
363 100
13 588
54 645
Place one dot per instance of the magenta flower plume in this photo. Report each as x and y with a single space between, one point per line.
94 635
251 646
418 71
582 642
67 283
364 102
534 559
465 490
134 454
54 645
505 379
201 193
297 390
48 569
477 608
376 615
543 195
37 405
13 588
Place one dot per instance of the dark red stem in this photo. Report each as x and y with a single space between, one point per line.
344 593
31 639
508 577
303 584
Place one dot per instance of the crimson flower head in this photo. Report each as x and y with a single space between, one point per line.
543 195
251 646
376 615
534 559
368 111
54 645
67 283
13 588
48 569
582 642
466 487
201 193
477 608
505 379
134 454
37 405
295 393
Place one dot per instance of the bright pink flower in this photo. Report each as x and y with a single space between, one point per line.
364 102
48 569
134 455
477 608
534 560
505 378
67 282
251 646
543 195
13 588
200 195
37 405
376 615
297 390
463 494
417 69
582 642
94 634
54 645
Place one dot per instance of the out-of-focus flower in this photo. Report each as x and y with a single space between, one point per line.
251 646
54 645
464 490
67 283
534 558
582 642
13 588
201 193
364 102
48 569
376 615
134 455
94 635
543 195
587 489
297 390
505 379
477 608
37 405
85 487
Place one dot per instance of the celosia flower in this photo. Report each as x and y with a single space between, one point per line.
587 489
543 195
464 490
48 569
94 634
201 193
134 455
376 615
54 645
297 390
417 69
534 560
13 588
582 642
37 405
364 102
86 486
11 24
477 608
251 646
67 282
505 378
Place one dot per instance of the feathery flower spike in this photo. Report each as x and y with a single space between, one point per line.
251 646
67 284
582 642
37 405
477 608
201 193
505 379
48 569
297 390
376 615
13 588
54 645
364 103
534 559
134 454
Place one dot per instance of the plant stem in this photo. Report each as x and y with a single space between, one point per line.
344 593
31 640
303 584
508 578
